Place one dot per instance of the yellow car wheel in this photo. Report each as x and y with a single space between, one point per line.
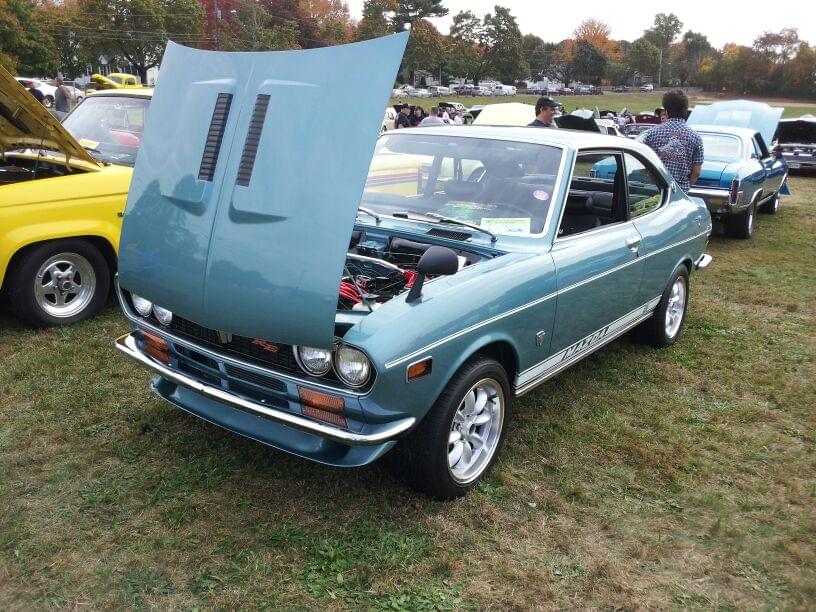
59 283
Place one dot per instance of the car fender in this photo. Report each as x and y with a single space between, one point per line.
23 236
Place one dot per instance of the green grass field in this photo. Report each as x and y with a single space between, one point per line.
682 478
635 102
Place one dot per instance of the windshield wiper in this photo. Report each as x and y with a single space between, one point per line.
444 219
370 213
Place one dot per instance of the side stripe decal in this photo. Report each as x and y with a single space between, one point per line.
584 346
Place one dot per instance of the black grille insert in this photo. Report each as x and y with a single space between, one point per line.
253 139
212 146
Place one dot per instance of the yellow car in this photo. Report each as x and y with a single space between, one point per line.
63 189
115 80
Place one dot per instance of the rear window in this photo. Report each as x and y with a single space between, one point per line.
720 146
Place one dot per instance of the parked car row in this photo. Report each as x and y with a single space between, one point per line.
395 303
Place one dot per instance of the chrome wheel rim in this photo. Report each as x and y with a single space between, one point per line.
475 431
65 284
676 307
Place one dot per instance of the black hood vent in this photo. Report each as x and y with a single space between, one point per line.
214 136
253 139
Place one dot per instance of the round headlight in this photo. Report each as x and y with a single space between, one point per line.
142 306
314 360
352 366
162 314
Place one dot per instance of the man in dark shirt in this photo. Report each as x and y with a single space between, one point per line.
545 112
32 88
678 146
402 118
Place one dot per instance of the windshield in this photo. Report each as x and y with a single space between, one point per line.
504 187
720 146
110 127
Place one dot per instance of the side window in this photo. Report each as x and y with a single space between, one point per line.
644 188
595 194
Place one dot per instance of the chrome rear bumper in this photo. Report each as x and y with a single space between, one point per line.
127 344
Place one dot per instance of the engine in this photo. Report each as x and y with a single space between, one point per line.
378 270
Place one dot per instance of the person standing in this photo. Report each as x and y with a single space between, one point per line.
432 119
457 118
678 146
32 89
63 98
403 121
545 113
660 113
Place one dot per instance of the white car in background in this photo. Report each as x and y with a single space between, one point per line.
399 93
49 90
439 90
482 90
646 88
389 120
504 90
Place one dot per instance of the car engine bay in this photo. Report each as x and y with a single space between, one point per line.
378 268
19 170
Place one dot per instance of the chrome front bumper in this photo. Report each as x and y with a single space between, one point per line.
127 344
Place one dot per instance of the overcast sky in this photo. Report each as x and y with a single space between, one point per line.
721 22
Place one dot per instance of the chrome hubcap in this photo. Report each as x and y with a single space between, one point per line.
676 307
475 431
65 284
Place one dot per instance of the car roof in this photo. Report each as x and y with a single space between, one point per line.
744 133
142 92
572 139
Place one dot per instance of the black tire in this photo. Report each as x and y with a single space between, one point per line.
654 330
48 101
22 278
772 207
741 225
421 459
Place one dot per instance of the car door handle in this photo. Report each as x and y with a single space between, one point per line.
633 242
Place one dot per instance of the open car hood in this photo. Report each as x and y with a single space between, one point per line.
245 189
25 123
577 122
798 131
740 113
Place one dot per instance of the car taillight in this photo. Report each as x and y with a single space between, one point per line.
733 193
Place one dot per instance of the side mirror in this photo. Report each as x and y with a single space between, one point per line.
436 261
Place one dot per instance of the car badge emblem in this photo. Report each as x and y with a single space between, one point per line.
224 337
267 346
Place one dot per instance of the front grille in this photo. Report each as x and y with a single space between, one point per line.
278 357
246 349
258 379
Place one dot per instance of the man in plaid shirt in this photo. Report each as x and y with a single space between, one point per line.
679 147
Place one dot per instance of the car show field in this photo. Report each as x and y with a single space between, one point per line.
675 478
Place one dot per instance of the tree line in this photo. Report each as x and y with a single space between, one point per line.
46 37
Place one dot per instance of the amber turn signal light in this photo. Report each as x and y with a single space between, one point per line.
418 369
322 406
156 347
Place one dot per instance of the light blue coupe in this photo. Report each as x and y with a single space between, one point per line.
287 286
